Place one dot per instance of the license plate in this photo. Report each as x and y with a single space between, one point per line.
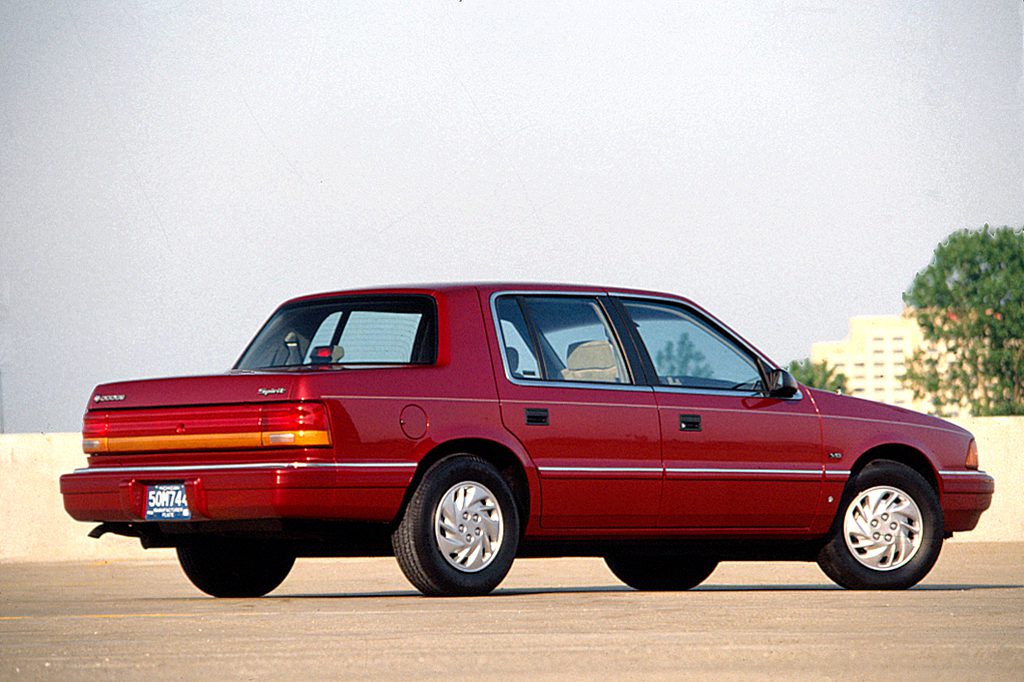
167 502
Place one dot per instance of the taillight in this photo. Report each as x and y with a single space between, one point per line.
301 424
215 427
972 455
94 433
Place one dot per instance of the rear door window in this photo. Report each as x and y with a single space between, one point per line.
573 338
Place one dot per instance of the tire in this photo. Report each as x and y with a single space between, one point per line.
661 573
234 569
459 533
888 532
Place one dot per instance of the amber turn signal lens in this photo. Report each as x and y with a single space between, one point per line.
972 455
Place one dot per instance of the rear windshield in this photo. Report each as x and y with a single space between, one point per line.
392 330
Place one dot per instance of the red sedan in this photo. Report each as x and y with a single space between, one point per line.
460 426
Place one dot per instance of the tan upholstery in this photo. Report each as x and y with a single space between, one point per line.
592 361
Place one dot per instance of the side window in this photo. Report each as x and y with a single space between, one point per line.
519 354
687 353
576 341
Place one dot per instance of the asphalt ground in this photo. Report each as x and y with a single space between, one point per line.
551 618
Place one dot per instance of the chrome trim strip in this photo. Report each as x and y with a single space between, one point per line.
158 468
707 391
409 398
573 384
963 473
685 470
844 474
604 469
709 470
796 397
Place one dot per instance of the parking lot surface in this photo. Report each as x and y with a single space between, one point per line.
552 618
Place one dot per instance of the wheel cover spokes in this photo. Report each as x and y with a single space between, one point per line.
883 528
468 526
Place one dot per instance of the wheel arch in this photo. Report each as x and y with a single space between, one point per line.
901 453
507 462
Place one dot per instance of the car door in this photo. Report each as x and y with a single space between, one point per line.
569 396
733 458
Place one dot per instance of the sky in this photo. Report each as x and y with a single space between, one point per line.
171 171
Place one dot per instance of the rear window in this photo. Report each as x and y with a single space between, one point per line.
392 330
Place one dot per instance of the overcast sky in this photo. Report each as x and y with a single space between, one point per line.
170 172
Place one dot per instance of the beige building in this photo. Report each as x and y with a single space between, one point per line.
874 355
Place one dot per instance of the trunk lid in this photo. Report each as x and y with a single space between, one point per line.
214 389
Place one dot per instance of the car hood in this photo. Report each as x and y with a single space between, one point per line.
836 405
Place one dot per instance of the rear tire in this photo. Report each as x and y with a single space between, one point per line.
661 573
888 532
225 568
459 533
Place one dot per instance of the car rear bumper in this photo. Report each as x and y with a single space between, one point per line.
358 491
965 496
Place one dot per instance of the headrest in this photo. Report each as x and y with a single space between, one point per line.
592 355
512 355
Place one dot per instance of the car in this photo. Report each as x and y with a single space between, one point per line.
459 426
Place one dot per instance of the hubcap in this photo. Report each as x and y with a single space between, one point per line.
883 528
468 526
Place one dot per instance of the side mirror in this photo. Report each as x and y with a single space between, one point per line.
781 384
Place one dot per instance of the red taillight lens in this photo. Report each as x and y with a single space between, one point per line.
95 430
972 455
303 424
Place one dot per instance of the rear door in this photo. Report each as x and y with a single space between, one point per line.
733 457
570 395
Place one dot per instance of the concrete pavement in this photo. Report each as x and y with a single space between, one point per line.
552 618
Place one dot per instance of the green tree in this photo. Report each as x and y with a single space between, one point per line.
969 302
818 375
682 358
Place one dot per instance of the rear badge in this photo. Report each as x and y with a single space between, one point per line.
269 391
113 397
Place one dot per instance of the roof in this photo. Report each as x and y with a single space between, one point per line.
486 287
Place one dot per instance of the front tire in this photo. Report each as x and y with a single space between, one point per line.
661 573
459 533
888 533
224 568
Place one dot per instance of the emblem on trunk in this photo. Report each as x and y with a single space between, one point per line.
109 398
271 391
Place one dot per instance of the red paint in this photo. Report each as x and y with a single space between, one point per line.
608 464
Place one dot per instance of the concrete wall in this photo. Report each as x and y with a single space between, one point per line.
1001 454
36 528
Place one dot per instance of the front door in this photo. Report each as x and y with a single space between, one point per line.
569 396
733 458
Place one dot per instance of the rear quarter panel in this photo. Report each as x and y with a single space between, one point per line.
402 414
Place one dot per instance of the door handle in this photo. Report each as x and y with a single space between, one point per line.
536 416
689 422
